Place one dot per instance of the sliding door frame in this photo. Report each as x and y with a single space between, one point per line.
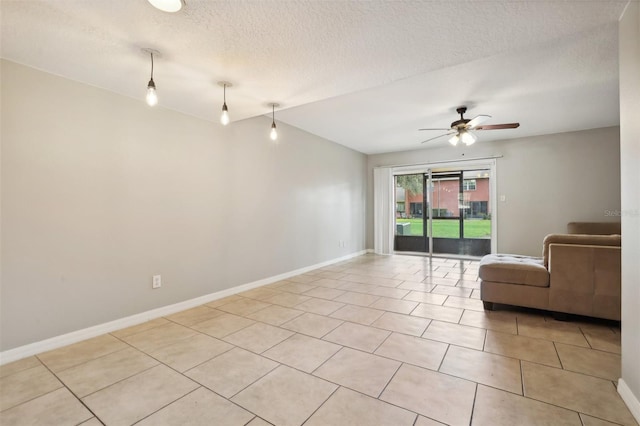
482 163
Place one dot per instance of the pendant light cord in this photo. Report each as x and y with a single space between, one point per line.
273 114
224 94
151 66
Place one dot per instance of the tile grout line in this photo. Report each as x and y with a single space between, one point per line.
252 383
443 357
473 406
382 343
484 341
63 386
214 357
568 409
70 391
521 377
585 337
326 360
558 354
415 421
123 379
362 393
389 381
142 331
144 370
166 405
86 361
320 406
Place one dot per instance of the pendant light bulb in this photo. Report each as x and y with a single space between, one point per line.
274 133
152 96
454 139
224 117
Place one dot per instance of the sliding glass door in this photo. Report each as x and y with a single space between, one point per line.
443 212
410 217
445 224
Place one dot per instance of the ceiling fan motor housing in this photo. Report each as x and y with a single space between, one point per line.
462 123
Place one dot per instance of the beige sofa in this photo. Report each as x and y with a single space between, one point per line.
578 273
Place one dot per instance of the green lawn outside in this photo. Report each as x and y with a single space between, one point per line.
443 228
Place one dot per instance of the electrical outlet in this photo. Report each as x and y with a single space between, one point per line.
157 281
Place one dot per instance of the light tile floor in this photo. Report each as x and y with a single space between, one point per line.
398 340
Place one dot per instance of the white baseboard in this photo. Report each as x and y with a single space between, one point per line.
630 399
97 330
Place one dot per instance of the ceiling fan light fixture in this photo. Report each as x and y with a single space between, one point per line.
462 128
167 5
467 137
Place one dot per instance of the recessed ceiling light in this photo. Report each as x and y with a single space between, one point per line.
167 5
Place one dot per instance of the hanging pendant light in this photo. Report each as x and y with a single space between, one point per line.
224 117
167 5
152 96
274 133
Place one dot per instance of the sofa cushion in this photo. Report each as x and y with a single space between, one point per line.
514 269
594 228
593 240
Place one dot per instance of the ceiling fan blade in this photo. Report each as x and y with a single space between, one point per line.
477 120
498 126
448 128
446 134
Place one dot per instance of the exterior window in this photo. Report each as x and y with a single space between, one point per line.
469 184
400 207
415 209
477 210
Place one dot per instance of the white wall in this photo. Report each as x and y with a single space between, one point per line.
630 177
547 180
100 192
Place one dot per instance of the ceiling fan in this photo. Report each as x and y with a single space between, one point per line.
461 129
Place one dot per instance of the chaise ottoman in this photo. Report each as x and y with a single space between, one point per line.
516 280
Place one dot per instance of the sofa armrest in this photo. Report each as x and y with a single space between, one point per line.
585 279
595 240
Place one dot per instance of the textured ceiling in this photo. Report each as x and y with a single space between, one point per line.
365 74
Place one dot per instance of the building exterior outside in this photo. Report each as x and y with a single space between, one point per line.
446 203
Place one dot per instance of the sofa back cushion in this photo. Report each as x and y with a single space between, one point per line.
594 240
594 228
